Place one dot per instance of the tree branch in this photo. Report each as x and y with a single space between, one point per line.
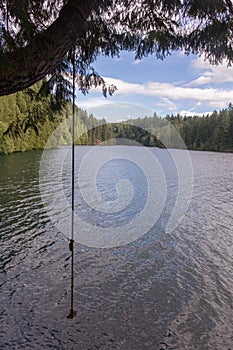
27 65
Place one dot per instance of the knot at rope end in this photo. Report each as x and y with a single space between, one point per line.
72 313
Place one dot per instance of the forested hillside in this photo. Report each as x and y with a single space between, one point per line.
211 132
27 120
121 134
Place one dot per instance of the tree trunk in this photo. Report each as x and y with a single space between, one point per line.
25 66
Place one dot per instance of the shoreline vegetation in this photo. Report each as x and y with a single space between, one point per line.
27 122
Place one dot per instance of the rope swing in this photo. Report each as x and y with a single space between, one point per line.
72 313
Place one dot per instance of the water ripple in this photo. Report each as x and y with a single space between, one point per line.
163 291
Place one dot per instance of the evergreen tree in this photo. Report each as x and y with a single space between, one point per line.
37 36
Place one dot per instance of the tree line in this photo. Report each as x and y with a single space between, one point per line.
213 132
28 119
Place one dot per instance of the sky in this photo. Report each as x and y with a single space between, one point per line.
182 84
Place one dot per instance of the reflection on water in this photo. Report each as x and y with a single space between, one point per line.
162 291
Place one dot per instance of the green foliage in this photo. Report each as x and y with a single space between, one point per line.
119 134
28 119
212 132
144 27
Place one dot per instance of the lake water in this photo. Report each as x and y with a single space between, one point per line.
159 291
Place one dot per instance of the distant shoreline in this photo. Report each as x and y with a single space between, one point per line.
117 145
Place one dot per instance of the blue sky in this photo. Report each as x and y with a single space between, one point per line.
179 84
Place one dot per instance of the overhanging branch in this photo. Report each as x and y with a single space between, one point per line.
25 66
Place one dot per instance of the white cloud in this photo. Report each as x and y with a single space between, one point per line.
136 62
191 113
167 105
218 98
93 102
118 111
212 74
168 96
200 81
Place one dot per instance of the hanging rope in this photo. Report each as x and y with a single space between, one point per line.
72 313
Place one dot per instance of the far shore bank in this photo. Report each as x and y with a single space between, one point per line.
115 145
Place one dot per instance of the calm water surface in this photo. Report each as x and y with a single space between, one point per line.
162 291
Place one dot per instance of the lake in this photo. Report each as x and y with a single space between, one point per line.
138 284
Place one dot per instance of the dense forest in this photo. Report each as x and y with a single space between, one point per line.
210 132
27 119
